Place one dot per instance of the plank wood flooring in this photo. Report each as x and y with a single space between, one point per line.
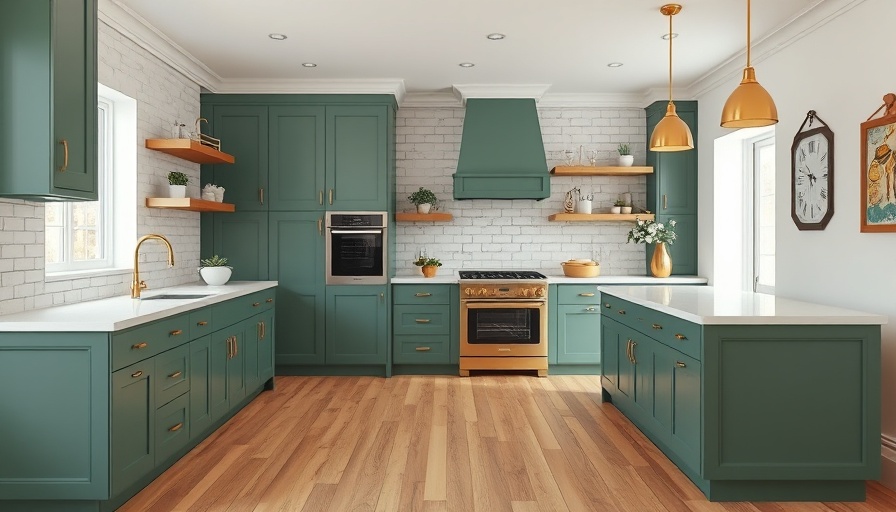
422 443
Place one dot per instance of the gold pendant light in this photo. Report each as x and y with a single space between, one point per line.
671 133
750 104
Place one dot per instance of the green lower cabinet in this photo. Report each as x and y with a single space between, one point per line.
357 325
133 424
172 427
676 407
578 334
425 328
228 371
265 347
200 386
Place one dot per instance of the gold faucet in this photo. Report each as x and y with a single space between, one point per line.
136 283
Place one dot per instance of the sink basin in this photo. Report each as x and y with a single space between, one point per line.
176 296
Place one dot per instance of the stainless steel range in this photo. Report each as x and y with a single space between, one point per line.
503 321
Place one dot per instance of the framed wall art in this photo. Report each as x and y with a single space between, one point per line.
878 185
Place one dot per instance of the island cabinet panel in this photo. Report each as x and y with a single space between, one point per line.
200 386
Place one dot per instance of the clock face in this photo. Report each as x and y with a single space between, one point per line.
811 180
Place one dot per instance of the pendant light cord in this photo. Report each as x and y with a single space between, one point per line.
670 58
748 33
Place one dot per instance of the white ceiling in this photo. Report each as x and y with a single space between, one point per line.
564 43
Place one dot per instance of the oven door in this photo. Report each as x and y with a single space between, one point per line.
356 256
503 329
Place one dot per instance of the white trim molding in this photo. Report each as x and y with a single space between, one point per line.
394 86
467 91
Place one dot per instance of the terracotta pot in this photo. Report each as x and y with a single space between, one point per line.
429 270
661 262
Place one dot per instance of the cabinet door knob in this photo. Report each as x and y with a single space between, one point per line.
64 155
607 305
621 311
176 332
679 364
176 374
422 349
586 295
256 304
176 427
423 294
202 323
269 300
681 336
137 374
140 345
657 326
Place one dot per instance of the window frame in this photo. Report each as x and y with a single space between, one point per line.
752 198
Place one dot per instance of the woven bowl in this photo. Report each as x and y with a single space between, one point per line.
571 269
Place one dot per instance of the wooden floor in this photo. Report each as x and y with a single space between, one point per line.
487 443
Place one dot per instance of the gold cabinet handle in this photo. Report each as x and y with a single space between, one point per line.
236 347
202 323
681 336
259 329
140 345
634 357
269 300
503 350
422 320
320 196
382 297
586 295
230 347
137 374
422 294
589 309
176 374
176 332
64 155
657 326
256 304
679 364
628 350
263 329
664 201
261 195
176 427
331 196
320 225
621 311
607 305
422 349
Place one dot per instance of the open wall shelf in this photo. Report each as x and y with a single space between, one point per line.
604 217
582 170
190 150
188 204
422 217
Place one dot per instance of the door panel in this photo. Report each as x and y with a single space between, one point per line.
297 156
243 131
578 334
200 385
356 325
133 408
356 158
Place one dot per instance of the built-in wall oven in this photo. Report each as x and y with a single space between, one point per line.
503 321
356 247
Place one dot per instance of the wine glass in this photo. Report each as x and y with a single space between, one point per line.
570 156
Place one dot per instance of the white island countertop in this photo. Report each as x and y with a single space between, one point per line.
707 305
452 278
117 313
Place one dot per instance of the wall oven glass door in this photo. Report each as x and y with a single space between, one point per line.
356 256
504 328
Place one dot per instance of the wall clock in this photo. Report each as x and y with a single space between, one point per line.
812 175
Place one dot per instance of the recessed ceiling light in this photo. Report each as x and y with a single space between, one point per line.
614 65
496 36
466 64
666 37
277 37
309 65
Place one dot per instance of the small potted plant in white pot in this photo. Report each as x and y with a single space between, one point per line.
626 206
428 266
626 159
177 184
214 271
617 206
424 198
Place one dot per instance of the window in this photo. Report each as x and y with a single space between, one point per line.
762 174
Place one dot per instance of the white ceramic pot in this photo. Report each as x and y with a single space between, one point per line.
615 209
423 208
626 209
626 160
583 206
215 276
177 191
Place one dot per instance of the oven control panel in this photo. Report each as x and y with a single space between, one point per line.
505 292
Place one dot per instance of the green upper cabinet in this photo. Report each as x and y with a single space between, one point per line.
48 100
297 155
357 158
243 130
242 238
672 189
357 325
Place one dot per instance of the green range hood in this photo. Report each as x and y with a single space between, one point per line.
501 152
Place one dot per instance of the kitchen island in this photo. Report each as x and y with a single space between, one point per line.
753 397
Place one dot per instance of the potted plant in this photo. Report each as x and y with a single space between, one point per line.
177 184
651 232
214 271
424 199
428 266
626 205
626 159
617 206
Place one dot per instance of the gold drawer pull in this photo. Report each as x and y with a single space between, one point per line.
503 350
256 304
176 427
680 364
269 300
65 155
621 311
657 326
607 305
681 336
589 309
202 323
138 373
176 332
422 349
422 320
140 345
423 294
176 374
586 295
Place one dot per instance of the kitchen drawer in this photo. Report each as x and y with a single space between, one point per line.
416 320
172 374
201 323
674 332
172 427
624 311
147 340
577 294
409 349
238 309
421 293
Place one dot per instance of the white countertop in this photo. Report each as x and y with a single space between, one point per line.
452 278
707 305
117 313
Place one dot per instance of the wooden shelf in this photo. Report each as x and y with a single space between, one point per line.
591 217
582 170
191 150
188 204
422 217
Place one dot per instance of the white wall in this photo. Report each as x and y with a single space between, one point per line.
493 234
163 96
841 70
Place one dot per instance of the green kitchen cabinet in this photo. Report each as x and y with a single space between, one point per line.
357 325
425 326
297 264
672 188
357 154
201 383
297 153
133 424
228 383
264 347
171 428
242 238
677 401
48 101
577 324
243 130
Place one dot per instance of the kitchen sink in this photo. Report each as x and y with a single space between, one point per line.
176 296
